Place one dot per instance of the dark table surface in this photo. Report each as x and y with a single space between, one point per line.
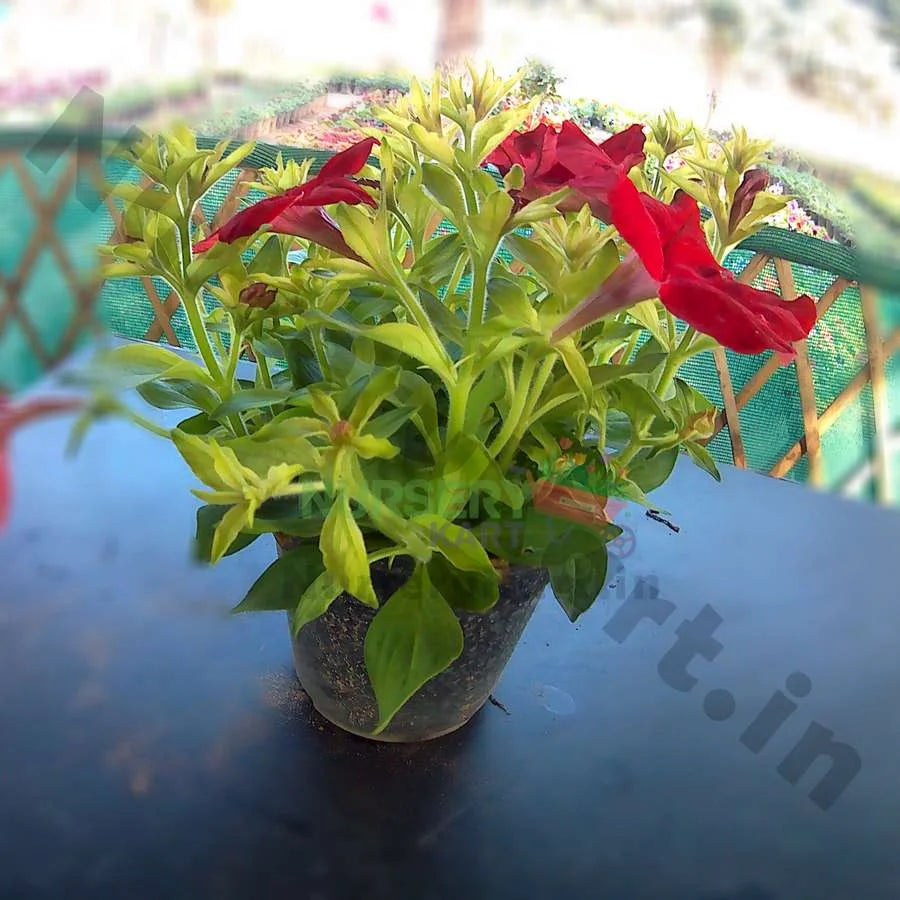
154 746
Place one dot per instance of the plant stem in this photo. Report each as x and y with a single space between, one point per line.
147 424
517 408
478 297
263 368
315 338
384 552
629 347
459 395
524 423
634 447
674 361
192 304
233 356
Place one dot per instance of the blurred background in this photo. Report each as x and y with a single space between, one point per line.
819 78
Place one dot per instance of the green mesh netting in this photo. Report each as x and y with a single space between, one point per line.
32 329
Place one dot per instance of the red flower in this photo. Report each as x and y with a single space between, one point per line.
10 419
694 287
299 211
596 173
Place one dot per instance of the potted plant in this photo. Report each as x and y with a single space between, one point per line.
435 416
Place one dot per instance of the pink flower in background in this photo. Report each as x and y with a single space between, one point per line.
382 14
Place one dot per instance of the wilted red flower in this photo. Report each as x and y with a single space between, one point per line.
596 173
258 295
299 211
11 417
694 287
754 181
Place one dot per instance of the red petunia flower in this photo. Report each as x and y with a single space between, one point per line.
11 417
596 173
299 211
694 287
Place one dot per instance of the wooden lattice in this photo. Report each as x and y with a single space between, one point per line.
84 289
808 443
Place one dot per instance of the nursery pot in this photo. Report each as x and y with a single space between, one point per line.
329 661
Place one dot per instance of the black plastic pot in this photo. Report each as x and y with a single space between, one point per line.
328 659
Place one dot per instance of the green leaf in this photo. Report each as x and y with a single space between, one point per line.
376 391
178 393
198 454
386 520
261 453
414 390
226 532
466 466
636 401
703 458
208 517
469 591
300 358
648 472
410 339
647 313
489 223
488 389
509 297
576 366
446 190
490 132
412 638
199 424
534 538
286 578
134 364
470 580
577 582
546 265
432 144
436 264
628 490
344 552
458 544
446 323
370 447
578 284
316 600
390 422
250 398
269 259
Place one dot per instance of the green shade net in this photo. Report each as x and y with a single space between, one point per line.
47 280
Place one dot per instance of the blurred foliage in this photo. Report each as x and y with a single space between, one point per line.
539 80
345 82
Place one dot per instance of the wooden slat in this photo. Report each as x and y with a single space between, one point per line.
881 467
753 268
837 406
805 383
234 196
771 366
732 416
163 312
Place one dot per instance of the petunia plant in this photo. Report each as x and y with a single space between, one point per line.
437 329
